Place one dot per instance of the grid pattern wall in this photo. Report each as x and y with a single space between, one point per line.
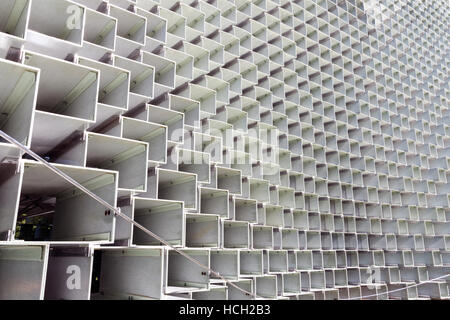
300 148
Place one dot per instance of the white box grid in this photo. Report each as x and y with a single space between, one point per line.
301 148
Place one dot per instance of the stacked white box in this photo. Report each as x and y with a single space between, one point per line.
299 148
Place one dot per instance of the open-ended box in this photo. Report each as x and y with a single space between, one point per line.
226 263
23 269
112 153
291 283
69 272
278 261
195 162
174 121
130 25
262 237
274 216
216 292
289 239
265 286
236 294
180 186
18 94
66 131
142 76
152 133
165 218
236 234
259 190
164 72
58 211
156 25
14 24
100 33
56 27
245 210
75 96
114 83
183 275
251 262
202 230
124 273
214 201
229 179
10 186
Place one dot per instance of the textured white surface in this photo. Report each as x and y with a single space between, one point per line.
300 148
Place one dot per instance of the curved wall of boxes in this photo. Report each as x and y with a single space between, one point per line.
300 148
